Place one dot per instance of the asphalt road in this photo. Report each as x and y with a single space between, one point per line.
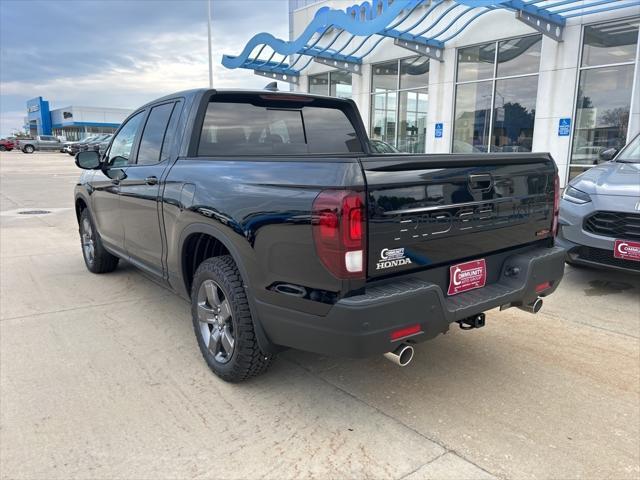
101 377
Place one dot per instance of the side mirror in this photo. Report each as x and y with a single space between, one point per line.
88 160
608 154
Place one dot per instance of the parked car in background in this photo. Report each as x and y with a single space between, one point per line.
39 143
64 147
6 145
95 143
600 214
273 215
102 146
80 146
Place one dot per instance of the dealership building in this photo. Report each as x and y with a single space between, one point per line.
73 122
475 76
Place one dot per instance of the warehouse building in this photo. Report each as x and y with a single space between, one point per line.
72 122
442 76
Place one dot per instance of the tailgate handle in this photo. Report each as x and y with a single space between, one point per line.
482 182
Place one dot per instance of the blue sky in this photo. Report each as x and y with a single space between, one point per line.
121 53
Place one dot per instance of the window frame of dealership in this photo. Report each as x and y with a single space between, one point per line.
557 122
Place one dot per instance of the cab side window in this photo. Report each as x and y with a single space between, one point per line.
153 134
122 145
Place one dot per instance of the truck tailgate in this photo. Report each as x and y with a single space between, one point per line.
428 210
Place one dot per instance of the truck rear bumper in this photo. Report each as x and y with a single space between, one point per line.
362 325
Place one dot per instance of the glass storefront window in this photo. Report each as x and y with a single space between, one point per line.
336 84
609 43
514 111
414 72
519 56
412 129
319 84
604 92
385 77
340 84
476 63
384 117
496 96
399 103
602 113
471 126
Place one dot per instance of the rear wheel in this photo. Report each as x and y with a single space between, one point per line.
3 148
28 149
96 258
222 322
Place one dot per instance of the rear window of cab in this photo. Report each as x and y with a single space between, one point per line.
275 125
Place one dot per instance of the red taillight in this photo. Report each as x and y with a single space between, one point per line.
405 332
556 205
338 232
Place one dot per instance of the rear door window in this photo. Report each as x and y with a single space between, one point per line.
153 134
262 127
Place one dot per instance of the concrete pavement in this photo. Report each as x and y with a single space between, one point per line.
101 377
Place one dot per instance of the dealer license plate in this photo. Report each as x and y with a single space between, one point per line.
467 276
627 250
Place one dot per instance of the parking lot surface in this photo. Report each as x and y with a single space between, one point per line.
101 377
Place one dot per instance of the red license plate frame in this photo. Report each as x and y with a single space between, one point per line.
467 276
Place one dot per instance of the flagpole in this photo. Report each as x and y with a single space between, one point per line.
209 43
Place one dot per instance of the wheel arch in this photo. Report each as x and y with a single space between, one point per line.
221 245
81 204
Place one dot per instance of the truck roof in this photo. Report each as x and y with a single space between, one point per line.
212 91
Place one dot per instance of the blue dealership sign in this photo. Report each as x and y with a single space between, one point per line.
439 130
564 127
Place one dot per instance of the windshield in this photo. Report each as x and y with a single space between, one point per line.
630 153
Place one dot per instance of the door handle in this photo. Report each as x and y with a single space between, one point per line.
115 181
153 180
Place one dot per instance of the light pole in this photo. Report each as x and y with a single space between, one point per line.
209 43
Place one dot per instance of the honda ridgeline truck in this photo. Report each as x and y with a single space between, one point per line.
272 215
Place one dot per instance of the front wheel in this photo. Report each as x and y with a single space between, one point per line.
3 148
28 149
96 258
222 322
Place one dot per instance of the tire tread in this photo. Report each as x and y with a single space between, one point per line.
103 261
249 360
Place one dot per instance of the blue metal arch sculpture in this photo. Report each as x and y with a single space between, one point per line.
323 19
384 19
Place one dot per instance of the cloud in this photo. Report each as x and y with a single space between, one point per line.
162 69
122 53
11 121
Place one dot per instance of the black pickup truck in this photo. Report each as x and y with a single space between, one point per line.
269 211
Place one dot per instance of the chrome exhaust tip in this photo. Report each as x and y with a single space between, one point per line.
401 356
532 307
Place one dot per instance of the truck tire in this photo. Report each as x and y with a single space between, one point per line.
28 149
96 258
222 322
3 148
